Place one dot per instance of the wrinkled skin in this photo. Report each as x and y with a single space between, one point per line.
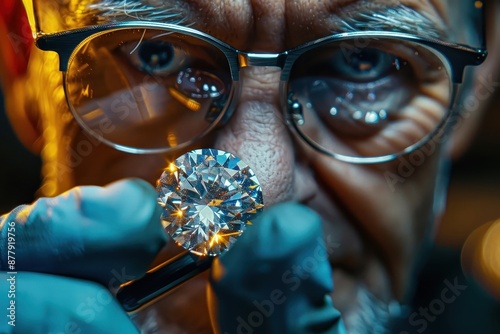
380 230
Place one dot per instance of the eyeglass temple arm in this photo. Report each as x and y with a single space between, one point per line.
65 42
461 57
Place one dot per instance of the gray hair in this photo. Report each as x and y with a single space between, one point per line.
149 10
399 18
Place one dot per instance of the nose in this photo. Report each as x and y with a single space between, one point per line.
257 133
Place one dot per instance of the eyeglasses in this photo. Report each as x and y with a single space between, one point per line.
360 97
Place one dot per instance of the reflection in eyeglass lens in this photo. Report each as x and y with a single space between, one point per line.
147 88
372 101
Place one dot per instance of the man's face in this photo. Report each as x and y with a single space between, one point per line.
376 225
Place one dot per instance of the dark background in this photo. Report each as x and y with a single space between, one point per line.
474 199
19 169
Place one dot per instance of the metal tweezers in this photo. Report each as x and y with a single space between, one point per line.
161 279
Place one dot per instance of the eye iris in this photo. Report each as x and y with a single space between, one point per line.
155 55
365 62
370 64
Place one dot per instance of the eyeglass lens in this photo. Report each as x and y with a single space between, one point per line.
369 101
147 88
151 88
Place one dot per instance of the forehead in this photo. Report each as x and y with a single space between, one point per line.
282 23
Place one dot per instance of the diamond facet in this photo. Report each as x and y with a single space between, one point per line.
208 197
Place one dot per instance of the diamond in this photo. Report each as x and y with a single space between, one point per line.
208 197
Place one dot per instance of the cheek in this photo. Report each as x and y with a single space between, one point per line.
95 163
395 217
392 192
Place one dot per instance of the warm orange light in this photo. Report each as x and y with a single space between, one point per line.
214 240
481 256
87 92
172 168
231 233
172 139
490 252
184 100
215 202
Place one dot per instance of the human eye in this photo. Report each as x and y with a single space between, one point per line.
373 100
366 65
148 88
367 84
156 57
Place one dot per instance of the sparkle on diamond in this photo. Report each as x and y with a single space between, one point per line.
208 196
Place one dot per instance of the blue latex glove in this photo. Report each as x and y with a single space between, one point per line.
105 234
276 278
60 305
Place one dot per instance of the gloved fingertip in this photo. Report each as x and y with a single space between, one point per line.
128 200
286 228
131 193
278 233
323 318
133 184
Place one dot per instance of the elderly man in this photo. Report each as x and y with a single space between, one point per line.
343 110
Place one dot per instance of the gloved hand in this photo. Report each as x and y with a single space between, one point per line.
104 234
276 278
52 304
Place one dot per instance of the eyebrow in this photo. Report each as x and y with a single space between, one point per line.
398 18
360 17
142 10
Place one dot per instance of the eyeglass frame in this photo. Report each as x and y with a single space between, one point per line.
455 56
